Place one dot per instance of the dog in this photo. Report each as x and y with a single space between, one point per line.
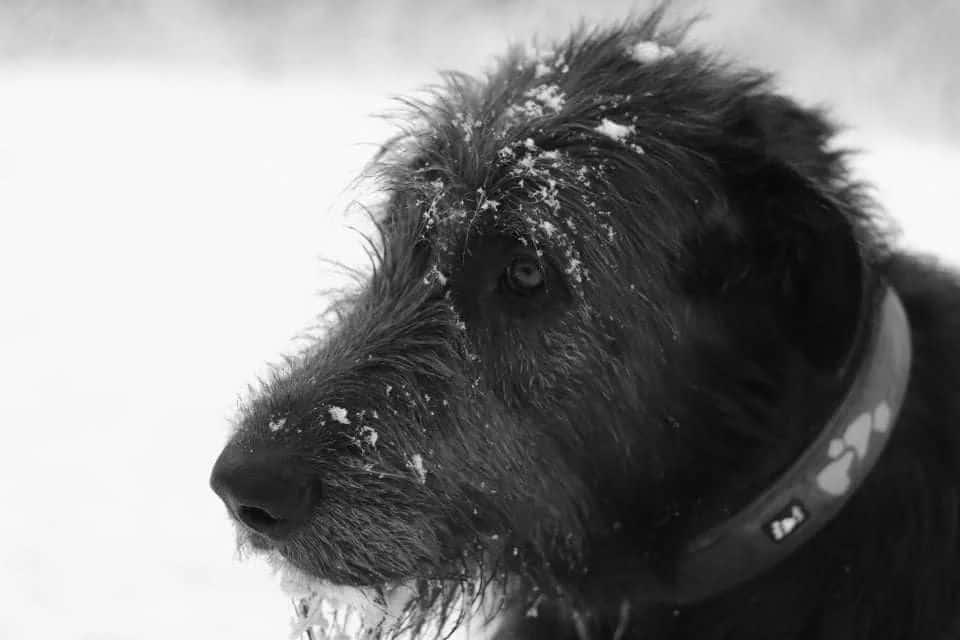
636 358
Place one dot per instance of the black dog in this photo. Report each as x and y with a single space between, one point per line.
633 362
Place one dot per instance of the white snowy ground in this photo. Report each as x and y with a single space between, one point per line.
159 241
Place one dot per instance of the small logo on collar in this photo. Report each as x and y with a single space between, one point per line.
786 521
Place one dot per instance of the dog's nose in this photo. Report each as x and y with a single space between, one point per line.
264 491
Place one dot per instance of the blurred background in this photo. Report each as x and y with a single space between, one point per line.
172 173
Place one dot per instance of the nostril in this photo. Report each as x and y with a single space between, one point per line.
258 519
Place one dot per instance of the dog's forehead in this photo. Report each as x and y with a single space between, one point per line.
567 150
536 197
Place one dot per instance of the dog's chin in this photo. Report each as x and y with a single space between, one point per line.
331 610
336 610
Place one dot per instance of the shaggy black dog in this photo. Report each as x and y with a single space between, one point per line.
632 362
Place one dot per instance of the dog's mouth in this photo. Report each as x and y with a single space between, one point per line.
328 611
325 610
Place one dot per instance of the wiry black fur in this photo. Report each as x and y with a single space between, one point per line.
703 280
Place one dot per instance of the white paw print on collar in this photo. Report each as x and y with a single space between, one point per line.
835 479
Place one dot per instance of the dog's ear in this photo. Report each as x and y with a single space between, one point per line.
781 130
794 246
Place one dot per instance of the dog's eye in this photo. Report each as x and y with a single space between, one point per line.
524 276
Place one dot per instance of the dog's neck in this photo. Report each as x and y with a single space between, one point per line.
821 480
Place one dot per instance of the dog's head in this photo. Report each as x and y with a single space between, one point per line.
609 278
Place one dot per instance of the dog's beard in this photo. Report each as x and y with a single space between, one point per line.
327 611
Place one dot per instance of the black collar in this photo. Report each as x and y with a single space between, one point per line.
814 489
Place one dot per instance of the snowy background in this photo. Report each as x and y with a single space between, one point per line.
171 173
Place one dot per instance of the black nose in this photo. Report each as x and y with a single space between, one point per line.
264 491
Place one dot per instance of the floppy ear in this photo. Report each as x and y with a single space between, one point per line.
781 130
794 249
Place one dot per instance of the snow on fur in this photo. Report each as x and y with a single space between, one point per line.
649 52
614 130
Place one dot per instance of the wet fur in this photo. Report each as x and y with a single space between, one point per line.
702 290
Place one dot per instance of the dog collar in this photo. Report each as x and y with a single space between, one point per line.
811 492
